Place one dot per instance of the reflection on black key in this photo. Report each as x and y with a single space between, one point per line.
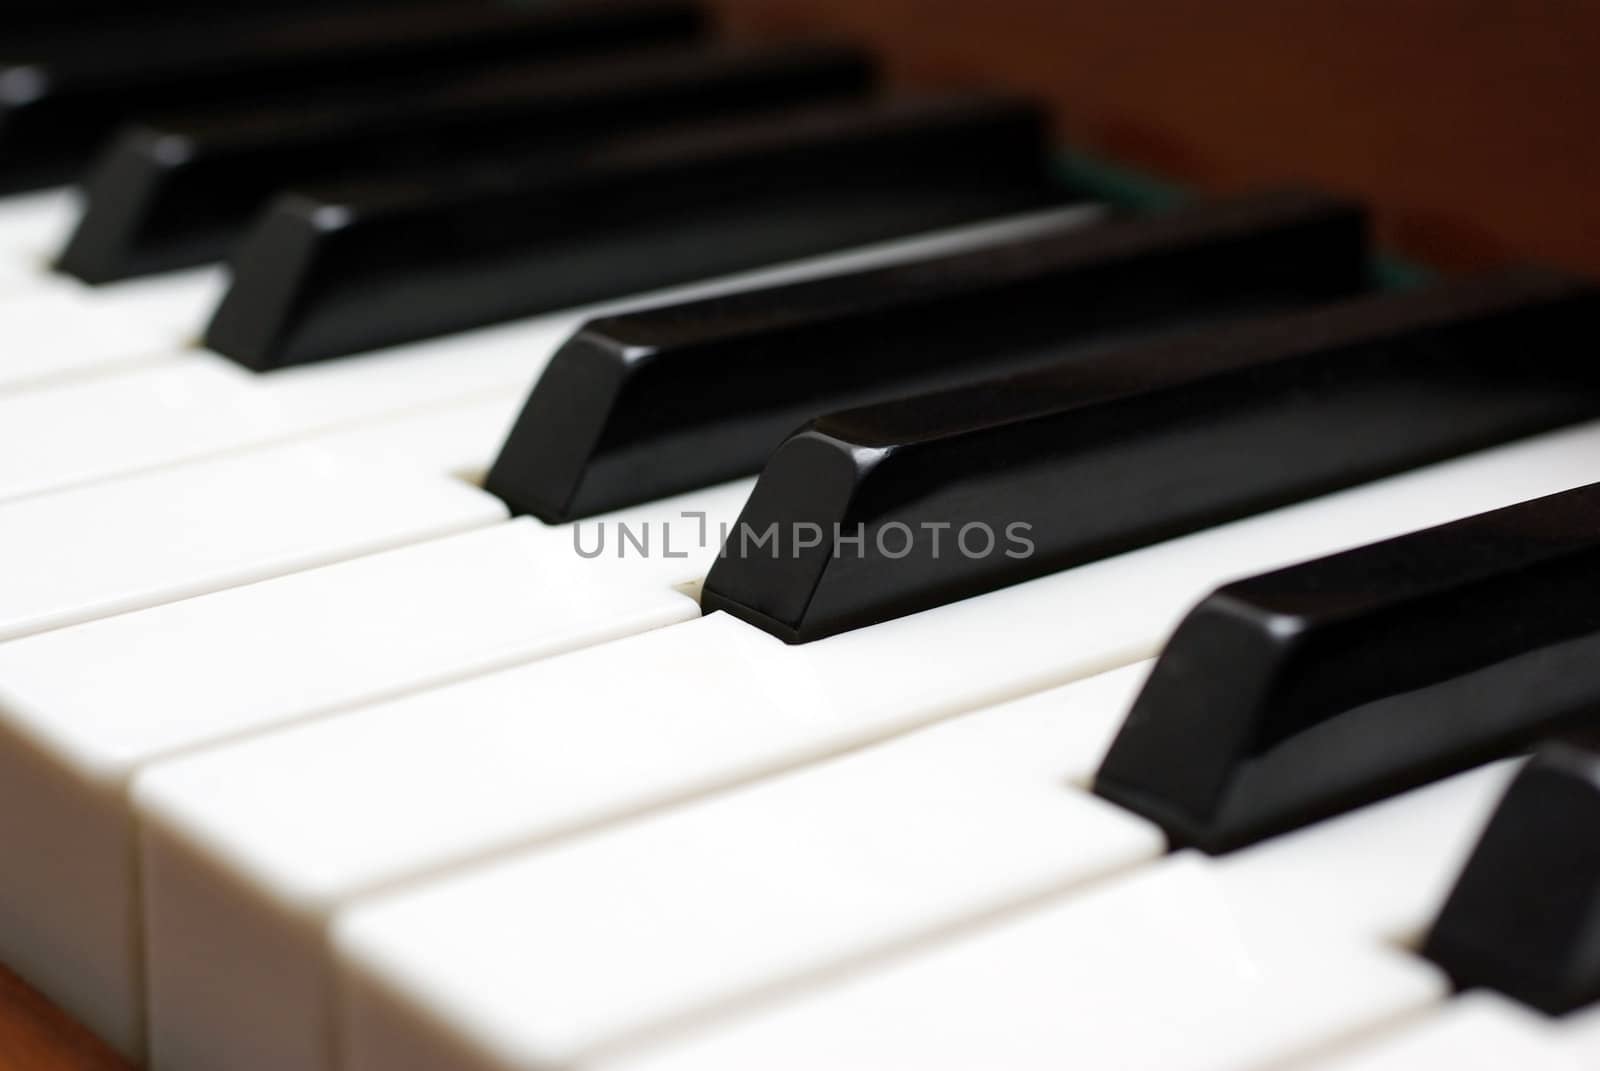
648 404
335 274
57 106
176 193
1101 455
1292 696
1523 916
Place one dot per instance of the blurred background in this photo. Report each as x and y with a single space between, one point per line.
1470 123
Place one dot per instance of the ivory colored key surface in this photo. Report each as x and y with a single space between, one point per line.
197 403
271 834
554 958
1156 971
1474 1032
63 330
34 225
82 554
81 709
551 956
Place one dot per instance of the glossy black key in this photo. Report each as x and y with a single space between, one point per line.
56 107
177 193
1108 453
1524 913
1301 693
336 273
643 405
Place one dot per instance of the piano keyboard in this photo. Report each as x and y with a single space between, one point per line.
543 539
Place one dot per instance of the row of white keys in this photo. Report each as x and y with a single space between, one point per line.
1155 971
152 538
194 672
194 403
91 552
572 956
276 834
636 929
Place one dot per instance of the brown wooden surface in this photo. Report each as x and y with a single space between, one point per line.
1470 122
34 1036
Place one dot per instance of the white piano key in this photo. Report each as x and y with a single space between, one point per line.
553 955
205 669
1380 873
34 226
1475 1032
87 553
194 403
57 329
1580 1035
460 440
1155 971
661 718
66 331
549 958
49 338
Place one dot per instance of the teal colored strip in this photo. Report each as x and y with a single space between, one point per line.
1133 190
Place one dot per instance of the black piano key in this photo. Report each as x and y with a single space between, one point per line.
648 404
333 274
1295 695
56 107
176 193
1523 915
1105 454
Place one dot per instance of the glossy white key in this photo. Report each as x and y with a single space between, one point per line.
91 552
1475 1032
271 833
34 226
554 955
1380 873
83 708
1580 1035
460 440
194 403
68 331
1156 971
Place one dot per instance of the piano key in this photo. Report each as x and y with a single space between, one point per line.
1379 872
457 440
549 958
1156 971
58 105
1300 693
175 193
1477 1032
655 401
63 332
33 226
197 404
350 269
947 495
858 858
1580 1032
1519 918
252 658
674 715
195 528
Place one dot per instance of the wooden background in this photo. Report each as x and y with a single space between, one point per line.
1470 123
1473 124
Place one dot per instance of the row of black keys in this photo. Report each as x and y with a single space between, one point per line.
1019 383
